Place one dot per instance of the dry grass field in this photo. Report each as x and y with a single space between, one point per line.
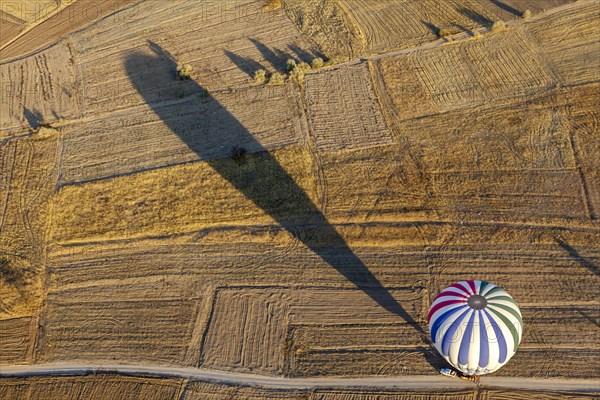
102 387
300 229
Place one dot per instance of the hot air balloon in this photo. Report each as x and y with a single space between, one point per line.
476 326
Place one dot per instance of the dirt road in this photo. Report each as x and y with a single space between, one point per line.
414 382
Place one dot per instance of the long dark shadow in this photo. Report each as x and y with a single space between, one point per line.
259 176
506 7
584 262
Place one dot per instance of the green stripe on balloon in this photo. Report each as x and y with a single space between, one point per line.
494 290
509 325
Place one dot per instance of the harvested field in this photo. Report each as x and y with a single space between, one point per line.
10 27
494 394
97 387
57 19
259 328
247 331
218 124
586 145
234 39
328 25
394 185
40 88
389 26
207 391
156 331
27 181
350 89
173 200
362 395
481 394
17 337
511 9
500 67
570 42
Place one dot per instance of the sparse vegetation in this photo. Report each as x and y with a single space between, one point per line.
272 5
291 64
46 130
296 74
277 78
498 26
443 32
526 14
317 63
239 155
260 76
185 72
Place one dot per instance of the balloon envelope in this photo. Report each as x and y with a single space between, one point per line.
476 326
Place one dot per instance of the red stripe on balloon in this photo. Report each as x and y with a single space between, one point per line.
442 304
472 285
461 287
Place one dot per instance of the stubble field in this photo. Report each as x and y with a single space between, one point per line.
231 225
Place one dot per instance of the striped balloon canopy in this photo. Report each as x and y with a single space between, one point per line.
476 326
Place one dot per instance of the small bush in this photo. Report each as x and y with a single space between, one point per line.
298 71
498 25
277 79
45 131
185 72
239 155
291 64
272 5
317 63
260 76
526 14
443 33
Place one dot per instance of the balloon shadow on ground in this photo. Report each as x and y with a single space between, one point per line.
259 176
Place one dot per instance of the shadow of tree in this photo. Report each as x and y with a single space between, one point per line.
584 262
34 118
246 64
506 7
476 17
259 176
433 28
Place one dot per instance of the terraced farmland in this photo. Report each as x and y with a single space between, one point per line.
302 228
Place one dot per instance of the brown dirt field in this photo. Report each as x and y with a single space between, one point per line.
17 336
570 42
483 394
145 142
349 89
40 88
357 395
97 387
234 39
511 9
492 394
52 23
27 181
207 391
143 330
